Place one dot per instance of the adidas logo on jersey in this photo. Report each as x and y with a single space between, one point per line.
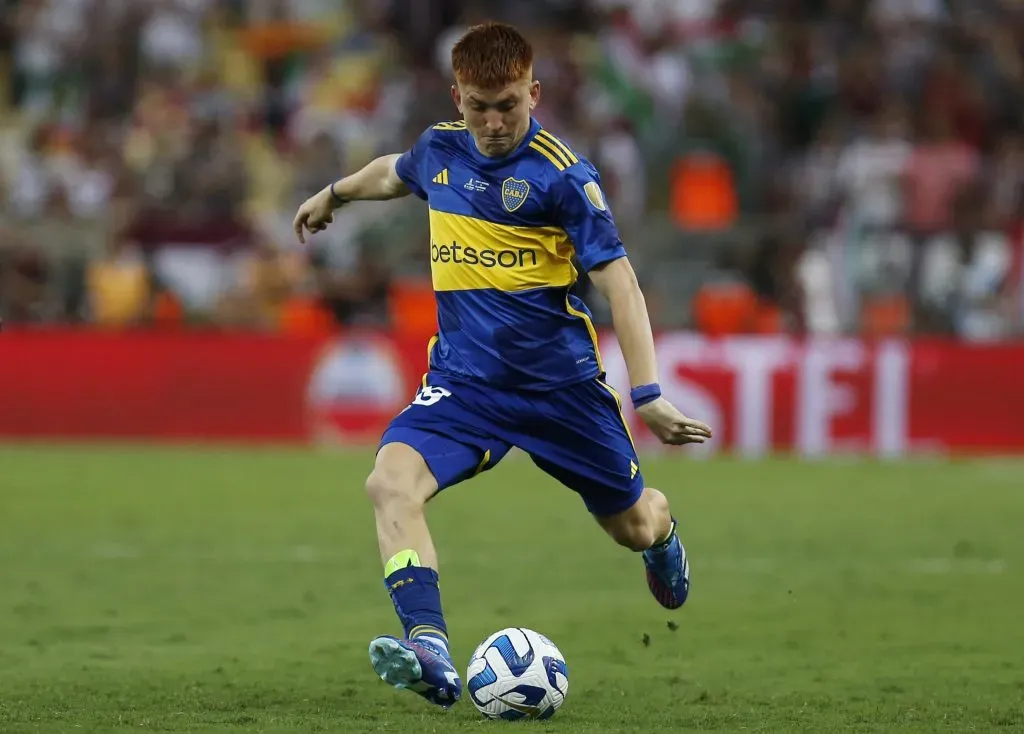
441 178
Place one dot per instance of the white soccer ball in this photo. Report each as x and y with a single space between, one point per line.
517 673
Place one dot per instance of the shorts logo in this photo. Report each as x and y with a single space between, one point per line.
593 192
513 193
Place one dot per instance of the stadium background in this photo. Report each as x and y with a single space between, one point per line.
824 200
782 170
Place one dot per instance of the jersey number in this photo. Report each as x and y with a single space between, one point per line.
429 395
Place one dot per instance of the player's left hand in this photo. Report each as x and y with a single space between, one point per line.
671 426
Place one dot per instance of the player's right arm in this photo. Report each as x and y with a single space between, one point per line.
387 177
378 180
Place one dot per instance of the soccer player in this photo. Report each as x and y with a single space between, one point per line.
515 361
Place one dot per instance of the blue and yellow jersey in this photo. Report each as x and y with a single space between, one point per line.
503 233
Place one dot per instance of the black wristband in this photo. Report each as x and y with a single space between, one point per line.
337 199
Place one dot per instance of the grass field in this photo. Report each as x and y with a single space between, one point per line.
190 590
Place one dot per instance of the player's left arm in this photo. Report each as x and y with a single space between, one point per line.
617 282
586 217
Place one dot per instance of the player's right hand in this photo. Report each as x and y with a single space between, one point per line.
315 214
671 426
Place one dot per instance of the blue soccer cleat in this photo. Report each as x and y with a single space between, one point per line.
668 572
419 665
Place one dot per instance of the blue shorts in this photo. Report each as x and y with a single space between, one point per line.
576 434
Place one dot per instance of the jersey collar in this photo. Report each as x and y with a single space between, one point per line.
488 162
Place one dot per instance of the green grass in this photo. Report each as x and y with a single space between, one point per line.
191 590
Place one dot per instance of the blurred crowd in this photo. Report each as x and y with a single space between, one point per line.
802 166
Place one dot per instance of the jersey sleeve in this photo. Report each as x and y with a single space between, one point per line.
581 210
410 164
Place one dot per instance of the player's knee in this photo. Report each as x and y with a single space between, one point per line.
631 529
400 479
640 527
390 489
636 536
657 505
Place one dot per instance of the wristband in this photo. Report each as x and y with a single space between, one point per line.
337 199
645 394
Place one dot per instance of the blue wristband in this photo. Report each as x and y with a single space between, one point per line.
645 394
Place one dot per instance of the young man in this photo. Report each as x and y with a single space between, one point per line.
515 361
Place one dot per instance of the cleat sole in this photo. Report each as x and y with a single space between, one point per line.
394 664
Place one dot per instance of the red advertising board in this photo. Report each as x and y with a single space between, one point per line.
761 394
201 386
826 396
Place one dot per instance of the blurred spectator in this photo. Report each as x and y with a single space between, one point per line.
869 170
965 275
773 277
1005 180
120 287
262 287
938 170
24 279
358 296
817 177
30 177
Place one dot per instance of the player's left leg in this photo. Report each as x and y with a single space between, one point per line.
584 442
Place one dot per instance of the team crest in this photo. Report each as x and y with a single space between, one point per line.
513 193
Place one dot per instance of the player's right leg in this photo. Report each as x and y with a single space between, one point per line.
399 487
434 443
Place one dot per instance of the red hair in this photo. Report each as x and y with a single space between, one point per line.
491 56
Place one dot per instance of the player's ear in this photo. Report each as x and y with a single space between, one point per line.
457 96
534 93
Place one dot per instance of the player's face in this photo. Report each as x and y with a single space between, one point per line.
498 119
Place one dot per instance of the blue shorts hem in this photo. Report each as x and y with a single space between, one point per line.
449 461
619 502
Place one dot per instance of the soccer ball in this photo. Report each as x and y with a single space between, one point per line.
517 673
